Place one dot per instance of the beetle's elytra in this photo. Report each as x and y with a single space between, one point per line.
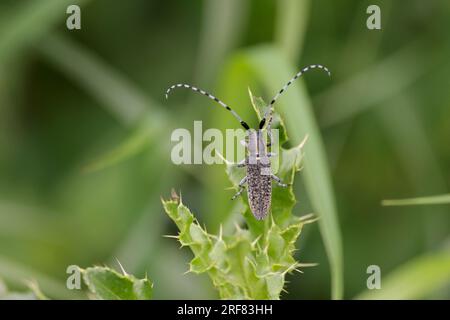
257 161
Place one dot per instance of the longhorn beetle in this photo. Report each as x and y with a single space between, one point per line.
257 161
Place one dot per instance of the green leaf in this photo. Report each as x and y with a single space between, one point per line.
107 284
414 280
440 199
219 34
290 26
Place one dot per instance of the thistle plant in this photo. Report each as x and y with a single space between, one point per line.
252 261
106 284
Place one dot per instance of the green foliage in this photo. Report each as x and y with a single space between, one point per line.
107 284
248 263
416 279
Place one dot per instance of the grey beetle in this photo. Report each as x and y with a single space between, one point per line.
259 175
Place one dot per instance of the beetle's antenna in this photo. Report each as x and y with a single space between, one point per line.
223 104
274 99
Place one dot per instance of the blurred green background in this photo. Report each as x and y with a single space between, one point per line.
85 135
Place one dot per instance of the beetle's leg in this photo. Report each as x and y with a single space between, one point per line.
241 188
238 193
278 181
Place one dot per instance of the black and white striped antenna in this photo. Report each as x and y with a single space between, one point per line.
210 96
269 111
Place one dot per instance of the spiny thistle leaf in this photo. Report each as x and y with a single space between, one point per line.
107 284
252 262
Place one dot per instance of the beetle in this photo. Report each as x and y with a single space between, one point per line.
259 175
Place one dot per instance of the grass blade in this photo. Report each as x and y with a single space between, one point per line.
440 199
292 18
222 28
